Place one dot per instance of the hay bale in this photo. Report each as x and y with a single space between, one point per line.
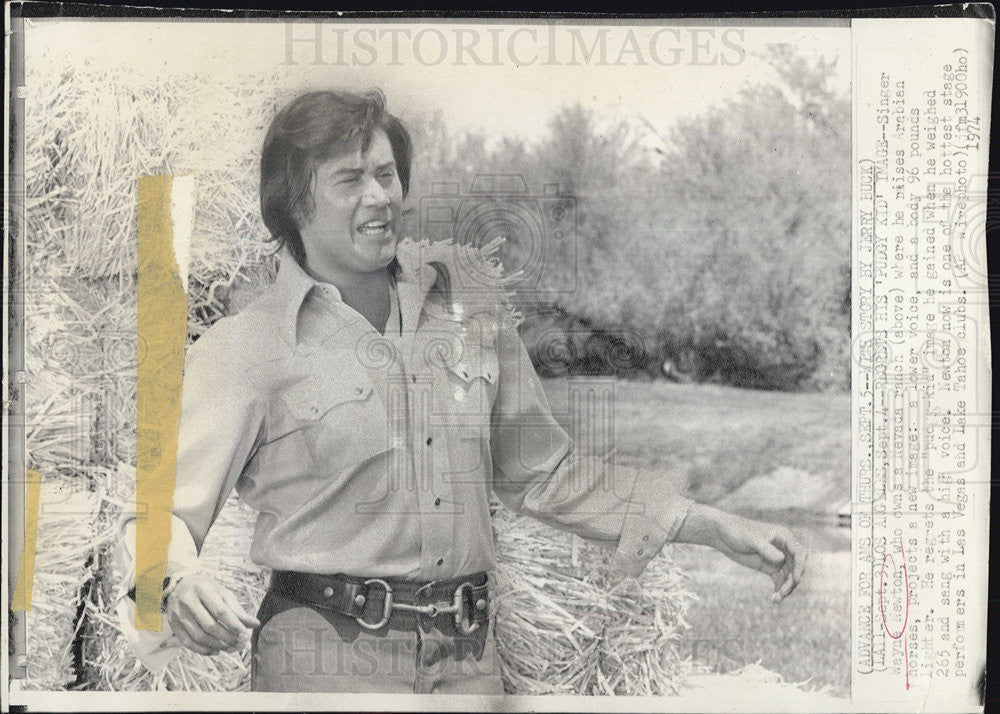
226 554
91 133
70 531
67 362
81 361
564 626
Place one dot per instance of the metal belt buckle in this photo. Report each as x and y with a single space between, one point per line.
457 608
386 607
463 618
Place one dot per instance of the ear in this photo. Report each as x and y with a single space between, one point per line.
306 202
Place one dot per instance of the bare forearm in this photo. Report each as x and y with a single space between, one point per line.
766 547
703 526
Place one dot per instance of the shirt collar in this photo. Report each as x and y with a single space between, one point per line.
294 284
291 286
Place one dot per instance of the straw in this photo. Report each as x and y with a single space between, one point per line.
565 628
563 625
90 134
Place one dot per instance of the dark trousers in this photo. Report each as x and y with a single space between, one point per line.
299 648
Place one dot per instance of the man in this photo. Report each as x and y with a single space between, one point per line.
367 414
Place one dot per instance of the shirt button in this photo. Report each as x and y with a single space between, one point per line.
645 537
359 390
639 552
440 561
429 440
437 501
327 592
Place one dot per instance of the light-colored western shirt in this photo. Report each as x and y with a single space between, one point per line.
375 454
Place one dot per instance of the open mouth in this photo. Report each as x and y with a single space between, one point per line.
375 228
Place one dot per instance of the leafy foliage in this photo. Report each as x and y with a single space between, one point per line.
722 247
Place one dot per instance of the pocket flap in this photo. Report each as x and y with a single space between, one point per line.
477 362
314 396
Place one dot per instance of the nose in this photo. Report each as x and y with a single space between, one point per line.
374 195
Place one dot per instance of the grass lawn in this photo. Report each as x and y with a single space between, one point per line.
734 622
723 437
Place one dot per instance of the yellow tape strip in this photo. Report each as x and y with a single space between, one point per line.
26 571
163 329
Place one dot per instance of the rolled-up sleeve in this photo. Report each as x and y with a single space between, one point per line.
537 471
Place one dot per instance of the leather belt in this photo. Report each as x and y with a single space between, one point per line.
372 601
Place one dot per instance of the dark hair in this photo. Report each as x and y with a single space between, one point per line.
312 129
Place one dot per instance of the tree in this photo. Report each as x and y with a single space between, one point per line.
725 249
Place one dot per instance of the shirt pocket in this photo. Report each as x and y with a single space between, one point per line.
471 380
338 414
477 362
314 397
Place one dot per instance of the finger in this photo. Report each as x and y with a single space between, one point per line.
788 586
204 638
242 615
796 557
204 628
781 578
772 555
187 641
787 542
777 577
800 566
795 575
222 612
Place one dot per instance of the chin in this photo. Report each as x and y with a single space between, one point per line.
389 252
374 257
383 259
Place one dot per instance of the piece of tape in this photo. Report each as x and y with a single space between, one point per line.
162 328
26 570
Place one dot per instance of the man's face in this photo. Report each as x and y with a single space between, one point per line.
358 201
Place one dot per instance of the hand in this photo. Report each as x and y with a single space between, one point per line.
205 617
765 547
768 548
